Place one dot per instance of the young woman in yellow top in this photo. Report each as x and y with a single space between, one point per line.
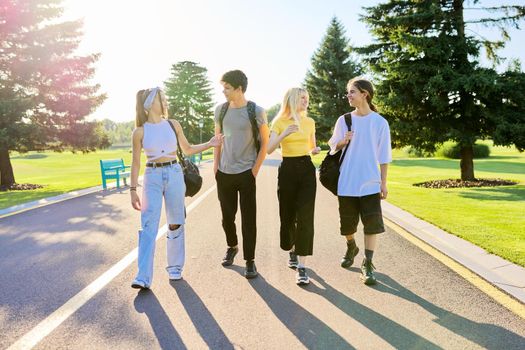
295 132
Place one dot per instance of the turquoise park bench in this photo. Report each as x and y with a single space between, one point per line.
114 169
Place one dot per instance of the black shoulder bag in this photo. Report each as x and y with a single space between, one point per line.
192 177
329 169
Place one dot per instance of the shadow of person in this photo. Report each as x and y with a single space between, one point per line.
201 317
146 302
392 332
486 335
309 330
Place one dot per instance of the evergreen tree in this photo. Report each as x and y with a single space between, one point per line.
432 86
332 67
189 97
271 112
44 90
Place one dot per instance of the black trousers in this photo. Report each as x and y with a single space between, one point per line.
229 188
296 192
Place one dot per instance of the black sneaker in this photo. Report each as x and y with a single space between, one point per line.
230 254
351 252
251 270
139 285
293 261
301 278
367 272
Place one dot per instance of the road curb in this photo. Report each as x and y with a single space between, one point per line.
499 272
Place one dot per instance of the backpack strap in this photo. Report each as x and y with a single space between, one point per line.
253 120
348 121
222 114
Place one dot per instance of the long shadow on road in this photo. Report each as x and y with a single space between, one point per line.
146 302
312 332
488 336
201 317
395 334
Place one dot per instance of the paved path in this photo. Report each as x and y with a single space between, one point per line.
51 254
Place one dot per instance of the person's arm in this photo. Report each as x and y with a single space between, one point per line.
276 139
136 137
189 149
340 136
313 143
264 132
217 150
384 171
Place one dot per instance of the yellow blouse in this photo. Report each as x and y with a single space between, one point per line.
298 143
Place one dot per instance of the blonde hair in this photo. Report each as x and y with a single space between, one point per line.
364 85
141 115
290 103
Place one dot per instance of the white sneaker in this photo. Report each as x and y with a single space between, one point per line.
175 275
301 278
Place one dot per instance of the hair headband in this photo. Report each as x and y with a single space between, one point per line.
151 97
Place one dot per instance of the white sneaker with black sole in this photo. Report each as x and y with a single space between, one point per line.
301 278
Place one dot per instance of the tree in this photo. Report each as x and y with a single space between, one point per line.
332 67
271 112
189 96
44 93
432 86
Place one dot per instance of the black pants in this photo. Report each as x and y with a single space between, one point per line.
229 188
296 192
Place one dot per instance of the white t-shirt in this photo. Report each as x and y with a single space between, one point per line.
370 146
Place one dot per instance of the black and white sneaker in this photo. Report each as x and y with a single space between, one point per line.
139 285
293 262
250 271
301 278
230 254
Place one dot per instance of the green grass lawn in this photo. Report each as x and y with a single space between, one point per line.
61 172
490 217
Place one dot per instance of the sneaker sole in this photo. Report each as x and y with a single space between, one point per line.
302 283
139 286
227 263
292 266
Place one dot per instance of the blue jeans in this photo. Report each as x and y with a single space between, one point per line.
167 182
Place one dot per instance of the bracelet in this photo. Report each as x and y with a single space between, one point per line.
132 188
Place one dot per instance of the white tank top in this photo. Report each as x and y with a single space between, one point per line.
159 140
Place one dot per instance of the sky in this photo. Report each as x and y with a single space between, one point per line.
272 41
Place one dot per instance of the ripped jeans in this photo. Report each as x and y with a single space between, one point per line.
167 182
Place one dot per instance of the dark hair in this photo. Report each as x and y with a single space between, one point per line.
236 78
364 85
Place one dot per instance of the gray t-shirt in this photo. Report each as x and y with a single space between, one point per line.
238 152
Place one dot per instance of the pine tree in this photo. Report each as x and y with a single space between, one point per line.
432 87
332 67
44 90
189 97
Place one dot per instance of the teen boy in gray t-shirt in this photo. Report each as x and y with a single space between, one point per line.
236 164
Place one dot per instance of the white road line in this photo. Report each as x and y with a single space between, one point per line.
40 331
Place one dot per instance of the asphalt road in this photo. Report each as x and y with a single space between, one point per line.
49 254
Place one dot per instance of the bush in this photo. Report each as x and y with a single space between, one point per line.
451 150
324 146
413 152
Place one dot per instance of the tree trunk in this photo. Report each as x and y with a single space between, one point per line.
7 177
467 163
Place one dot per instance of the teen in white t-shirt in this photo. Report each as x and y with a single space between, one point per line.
362 180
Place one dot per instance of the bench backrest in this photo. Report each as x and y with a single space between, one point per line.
109 163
